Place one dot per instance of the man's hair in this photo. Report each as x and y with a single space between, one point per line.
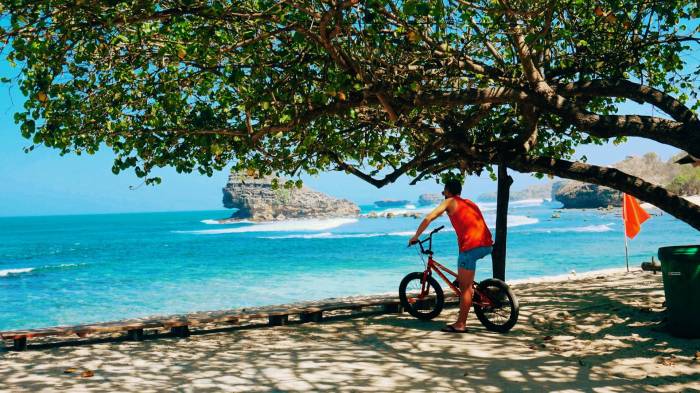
453 186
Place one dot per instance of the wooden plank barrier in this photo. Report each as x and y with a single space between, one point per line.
179 325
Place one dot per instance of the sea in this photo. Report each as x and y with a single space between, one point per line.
64 270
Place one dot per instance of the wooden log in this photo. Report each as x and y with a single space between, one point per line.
278 320
135 334
311 317
20 344
180 331
393 308
652 266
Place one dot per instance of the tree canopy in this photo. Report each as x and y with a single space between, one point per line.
377 88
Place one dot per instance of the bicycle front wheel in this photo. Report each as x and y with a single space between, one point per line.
421 301
496 306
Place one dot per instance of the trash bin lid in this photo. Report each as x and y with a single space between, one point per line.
690 253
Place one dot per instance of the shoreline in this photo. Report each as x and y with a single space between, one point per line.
353 298
583 335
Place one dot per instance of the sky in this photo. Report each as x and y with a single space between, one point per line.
44 183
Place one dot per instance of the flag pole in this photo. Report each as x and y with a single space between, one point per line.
627 258
624 233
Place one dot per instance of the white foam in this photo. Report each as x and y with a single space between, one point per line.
210 221
404 233
527 202
63 265
516 221
281 226
585 229
13 272
326 235
400 211
513 221
329 235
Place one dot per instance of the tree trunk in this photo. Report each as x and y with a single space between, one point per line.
610 177
498 256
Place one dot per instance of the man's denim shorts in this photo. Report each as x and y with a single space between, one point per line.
467 259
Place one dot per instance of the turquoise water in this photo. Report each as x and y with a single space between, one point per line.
75 269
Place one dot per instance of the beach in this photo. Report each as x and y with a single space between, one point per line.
600 331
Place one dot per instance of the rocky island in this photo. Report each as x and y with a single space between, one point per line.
537 191
257 200
391 203
430 199
683 180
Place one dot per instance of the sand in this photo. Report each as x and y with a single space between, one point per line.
602 332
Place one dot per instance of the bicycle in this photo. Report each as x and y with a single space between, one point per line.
494 302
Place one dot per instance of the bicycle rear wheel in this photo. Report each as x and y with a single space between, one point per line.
425 306
499 310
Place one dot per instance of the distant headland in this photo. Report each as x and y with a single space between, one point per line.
257 200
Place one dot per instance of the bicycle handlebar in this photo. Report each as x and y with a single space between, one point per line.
438 229
428 239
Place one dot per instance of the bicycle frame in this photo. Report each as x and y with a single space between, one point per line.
440 269
437 267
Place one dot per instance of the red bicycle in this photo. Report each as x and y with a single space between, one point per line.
494 302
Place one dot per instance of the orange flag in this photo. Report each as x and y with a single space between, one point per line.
633 215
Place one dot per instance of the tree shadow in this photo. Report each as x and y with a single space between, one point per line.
568 338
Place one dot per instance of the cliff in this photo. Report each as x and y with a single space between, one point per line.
537 191
256 200
578 195
574 194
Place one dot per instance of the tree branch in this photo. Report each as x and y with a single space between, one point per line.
674 204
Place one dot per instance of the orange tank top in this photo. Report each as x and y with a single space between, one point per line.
472 231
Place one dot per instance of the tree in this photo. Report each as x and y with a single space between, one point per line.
378 88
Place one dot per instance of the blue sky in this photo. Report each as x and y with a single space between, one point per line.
44 183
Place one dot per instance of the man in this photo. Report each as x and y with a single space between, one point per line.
473 238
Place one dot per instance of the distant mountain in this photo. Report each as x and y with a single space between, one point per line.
537 191
682 179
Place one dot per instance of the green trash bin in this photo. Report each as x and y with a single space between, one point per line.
680 267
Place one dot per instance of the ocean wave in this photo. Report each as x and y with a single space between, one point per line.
329 235
584 229
326 235
403 233
25 270
15 272
212 221
402 210
513 221
280 226
527 202
490 206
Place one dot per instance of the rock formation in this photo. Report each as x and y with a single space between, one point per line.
578 195
574 194
536 191
256 200
430 199
392 203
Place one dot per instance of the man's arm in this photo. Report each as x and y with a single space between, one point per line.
437 212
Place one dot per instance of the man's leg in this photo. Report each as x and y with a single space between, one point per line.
465 278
